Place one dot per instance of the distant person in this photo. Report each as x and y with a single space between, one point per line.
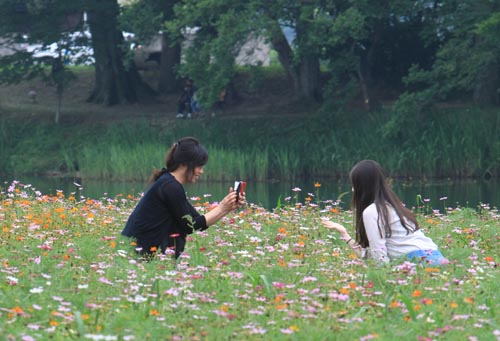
164 217
188 104
184 102
385 228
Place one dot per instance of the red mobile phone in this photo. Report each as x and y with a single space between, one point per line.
239 187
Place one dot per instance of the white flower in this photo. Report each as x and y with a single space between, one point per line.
38 290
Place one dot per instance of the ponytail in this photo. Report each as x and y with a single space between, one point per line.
156 174
187 151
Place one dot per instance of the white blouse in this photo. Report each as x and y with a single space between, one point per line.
399 244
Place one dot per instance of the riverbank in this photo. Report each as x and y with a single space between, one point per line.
262 134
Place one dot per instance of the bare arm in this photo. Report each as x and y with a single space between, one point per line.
356 248
227 205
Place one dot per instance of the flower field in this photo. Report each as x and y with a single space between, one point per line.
67 274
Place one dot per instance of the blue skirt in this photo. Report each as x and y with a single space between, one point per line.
431 257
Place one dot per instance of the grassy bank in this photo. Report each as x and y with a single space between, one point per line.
451 143
258 275
264 133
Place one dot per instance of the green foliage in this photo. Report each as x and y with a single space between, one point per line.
142 18
442 143
468 57
18 67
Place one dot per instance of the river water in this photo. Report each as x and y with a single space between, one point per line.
437 194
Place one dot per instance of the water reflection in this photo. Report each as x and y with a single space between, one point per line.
440 194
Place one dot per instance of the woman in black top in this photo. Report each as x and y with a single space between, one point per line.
163 217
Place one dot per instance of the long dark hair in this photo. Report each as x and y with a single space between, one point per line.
187 151
370 186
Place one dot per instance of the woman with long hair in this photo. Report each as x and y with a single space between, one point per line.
385 228
164 217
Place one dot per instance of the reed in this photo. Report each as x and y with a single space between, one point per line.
446 143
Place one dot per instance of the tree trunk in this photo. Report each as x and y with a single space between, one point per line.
170 57
486 90
364 86
304 74
58 109
305 77
309 78
113 83
285 56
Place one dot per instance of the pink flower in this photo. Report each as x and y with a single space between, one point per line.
105 281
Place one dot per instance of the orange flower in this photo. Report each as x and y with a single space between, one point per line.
352 285
430 270
317 184
453 305
416 293
154 312
153 249
469 300
427 301
17 310
334 210
394 304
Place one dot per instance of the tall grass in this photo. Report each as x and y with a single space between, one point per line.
447 143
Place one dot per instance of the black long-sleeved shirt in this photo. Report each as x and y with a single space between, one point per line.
163 217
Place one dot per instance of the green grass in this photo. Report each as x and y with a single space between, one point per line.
446 146
260 275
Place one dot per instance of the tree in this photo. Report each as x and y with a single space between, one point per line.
146 19
46 22
467 64
348 39
222 27
213 32
26 23
301 57
114 83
